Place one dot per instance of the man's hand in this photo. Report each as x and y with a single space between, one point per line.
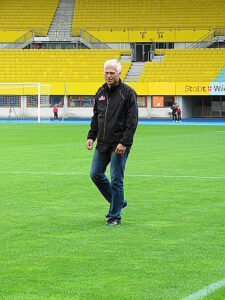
89 144
120 149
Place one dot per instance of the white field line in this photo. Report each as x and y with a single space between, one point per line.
206 290
127 175
42 173
176 176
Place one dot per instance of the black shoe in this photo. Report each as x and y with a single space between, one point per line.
124 205
113 221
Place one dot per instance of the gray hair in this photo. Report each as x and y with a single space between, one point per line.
112 63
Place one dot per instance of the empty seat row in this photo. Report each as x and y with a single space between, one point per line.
35 65
179 65
150 14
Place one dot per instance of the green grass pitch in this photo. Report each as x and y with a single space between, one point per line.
54 243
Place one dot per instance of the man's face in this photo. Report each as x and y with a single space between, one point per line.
111 75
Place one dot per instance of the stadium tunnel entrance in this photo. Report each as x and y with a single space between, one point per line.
144 51
203 106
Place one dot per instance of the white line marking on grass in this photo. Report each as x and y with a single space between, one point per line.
42 173
128 175
176 176
206 290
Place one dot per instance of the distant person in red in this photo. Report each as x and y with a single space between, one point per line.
55 111
178 113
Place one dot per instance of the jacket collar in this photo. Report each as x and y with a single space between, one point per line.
113 87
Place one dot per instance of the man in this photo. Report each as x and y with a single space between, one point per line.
174 112
113 123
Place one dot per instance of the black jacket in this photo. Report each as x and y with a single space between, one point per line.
115 116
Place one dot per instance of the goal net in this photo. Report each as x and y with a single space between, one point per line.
25 101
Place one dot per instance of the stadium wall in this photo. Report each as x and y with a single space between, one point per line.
146 34
182 93
22 110
190 108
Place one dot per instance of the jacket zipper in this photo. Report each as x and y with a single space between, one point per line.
107 104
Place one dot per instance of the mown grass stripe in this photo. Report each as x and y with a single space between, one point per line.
129 175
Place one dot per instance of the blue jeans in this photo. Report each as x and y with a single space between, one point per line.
112 191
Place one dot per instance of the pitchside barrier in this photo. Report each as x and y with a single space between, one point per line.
28 101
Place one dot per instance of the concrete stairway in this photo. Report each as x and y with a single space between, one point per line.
134 72
60 29
125 57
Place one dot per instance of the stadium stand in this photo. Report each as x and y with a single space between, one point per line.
18 65
148 20
180 65
26 15
145 13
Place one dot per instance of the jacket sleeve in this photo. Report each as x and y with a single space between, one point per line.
131 120
93 132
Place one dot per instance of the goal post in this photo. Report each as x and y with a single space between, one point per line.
25 101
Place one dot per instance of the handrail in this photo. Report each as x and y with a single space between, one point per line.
121 28
21 40
42 30
92 40
145 28
204 41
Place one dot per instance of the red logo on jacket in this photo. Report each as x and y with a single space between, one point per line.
102 98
